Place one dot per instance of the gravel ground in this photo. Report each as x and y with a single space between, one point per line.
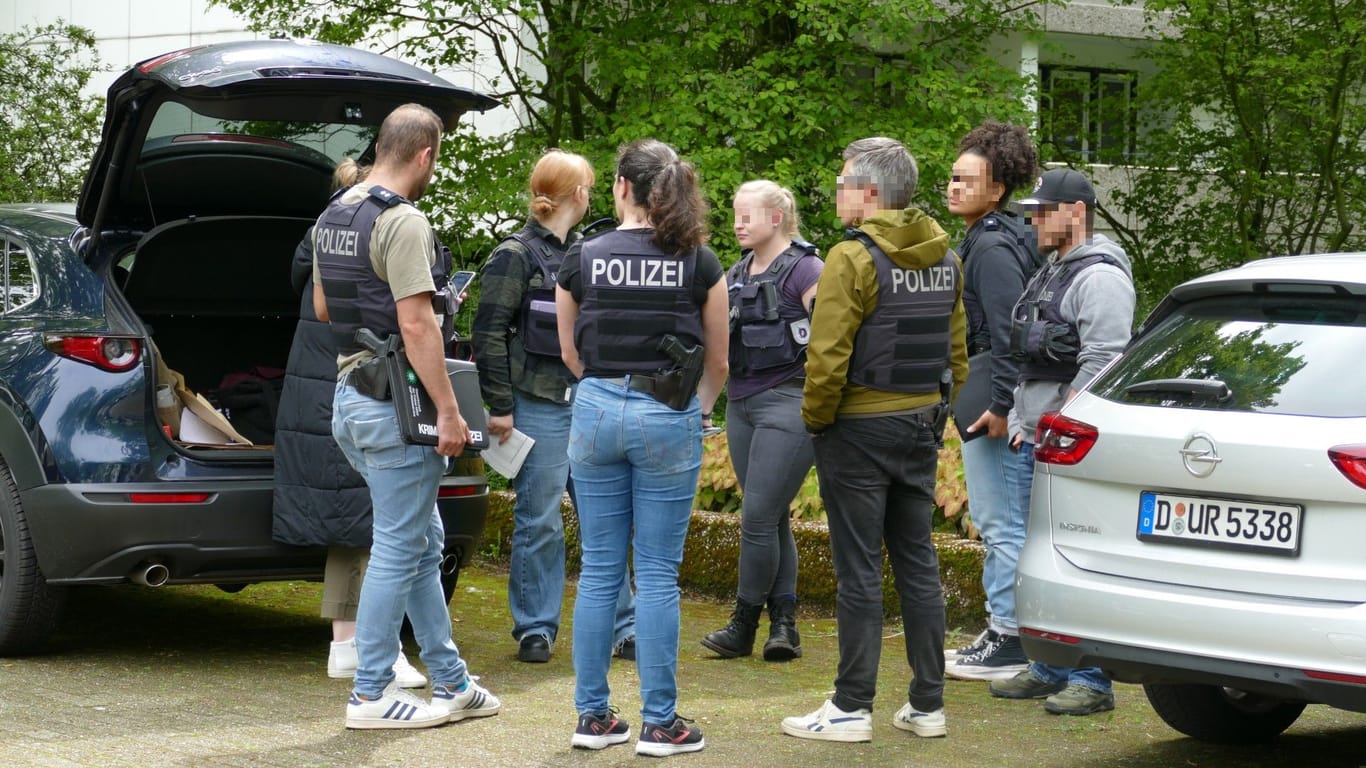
191 676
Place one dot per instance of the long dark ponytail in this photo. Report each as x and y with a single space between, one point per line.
666 187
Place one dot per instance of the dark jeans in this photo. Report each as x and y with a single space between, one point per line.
771 452
877 482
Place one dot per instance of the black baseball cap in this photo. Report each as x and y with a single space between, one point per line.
1061 185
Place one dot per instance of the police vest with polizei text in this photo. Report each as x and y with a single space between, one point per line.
538 328
768 329
903 344
1041 339
634 294
356 296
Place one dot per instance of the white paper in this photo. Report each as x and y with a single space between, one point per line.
195 430
506 458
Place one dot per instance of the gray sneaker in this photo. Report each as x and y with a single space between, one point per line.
1079 700
1025 685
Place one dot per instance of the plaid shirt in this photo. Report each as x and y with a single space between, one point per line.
506 280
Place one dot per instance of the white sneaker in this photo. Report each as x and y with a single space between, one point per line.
406 675
830 723
342 661
474 701
926 725
395 708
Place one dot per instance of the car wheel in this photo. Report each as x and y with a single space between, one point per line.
1223 715
29 609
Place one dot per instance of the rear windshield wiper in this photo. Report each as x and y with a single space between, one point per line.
1213 389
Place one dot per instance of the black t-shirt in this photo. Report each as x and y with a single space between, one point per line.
707 272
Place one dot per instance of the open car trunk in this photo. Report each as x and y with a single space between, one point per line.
215 296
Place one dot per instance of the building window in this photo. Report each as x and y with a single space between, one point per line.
1087 115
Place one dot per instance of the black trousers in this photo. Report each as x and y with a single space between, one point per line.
877 481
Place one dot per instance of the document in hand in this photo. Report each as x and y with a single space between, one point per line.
506 458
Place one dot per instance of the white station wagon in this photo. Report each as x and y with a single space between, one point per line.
1198 522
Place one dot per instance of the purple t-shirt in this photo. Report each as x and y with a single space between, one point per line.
805 273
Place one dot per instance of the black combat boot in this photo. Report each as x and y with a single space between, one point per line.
736 638
784 644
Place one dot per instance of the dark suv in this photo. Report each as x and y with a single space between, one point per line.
213 163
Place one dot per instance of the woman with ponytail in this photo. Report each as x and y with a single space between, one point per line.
635 305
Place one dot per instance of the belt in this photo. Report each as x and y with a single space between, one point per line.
636 382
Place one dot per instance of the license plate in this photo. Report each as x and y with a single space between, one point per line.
1225 523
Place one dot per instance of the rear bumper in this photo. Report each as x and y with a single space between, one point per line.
93 533
1143 631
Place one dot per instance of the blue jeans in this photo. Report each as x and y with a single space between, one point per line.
1090 677
994 500
771 452
536 577
635 463
406 552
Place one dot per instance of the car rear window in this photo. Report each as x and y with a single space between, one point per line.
334 140
1287 354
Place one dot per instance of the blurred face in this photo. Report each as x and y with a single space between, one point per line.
972 193
755 224
852 195
1053 223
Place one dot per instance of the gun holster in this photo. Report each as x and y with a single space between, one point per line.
371 379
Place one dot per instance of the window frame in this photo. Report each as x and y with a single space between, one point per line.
1092 149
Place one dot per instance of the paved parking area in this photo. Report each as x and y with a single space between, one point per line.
197 677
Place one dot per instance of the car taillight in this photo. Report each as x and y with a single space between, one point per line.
448 491
1054 636
1061 440
1350 461
104 352
160 497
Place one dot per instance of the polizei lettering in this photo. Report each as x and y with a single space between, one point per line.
337 242
637 273
921 280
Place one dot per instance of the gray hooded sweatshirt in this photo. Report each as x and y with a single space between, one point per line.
1100 302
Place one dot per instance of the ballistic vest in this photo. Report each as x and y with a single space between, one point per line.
634 294
768 330
356 296
995 228
538 327
903 345
1041 339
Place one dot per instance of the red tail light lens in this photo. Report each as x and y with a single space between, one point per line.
449 491
104 352
1054 636
1061 440
168 498
1350 461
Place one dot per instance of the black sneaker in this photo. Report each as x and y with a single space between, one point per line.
1001 659
971 648
600 731
534 649
661 741
626 649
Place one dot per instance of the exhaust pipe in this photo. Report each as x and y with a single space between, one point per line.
450 564
150 574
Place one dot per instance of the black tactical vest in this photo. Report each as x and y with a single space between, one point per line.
538 328
1045 343
356 296
903 346
767 329
634 295
993 229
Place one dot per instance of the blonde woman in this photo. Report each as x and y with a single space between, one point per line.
771 288
525 384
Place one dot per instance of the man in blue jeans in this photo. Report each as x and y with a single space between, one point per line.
1075 316
376 267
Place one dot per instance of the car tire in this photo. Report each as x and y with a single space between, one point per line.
30 610
1222 715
